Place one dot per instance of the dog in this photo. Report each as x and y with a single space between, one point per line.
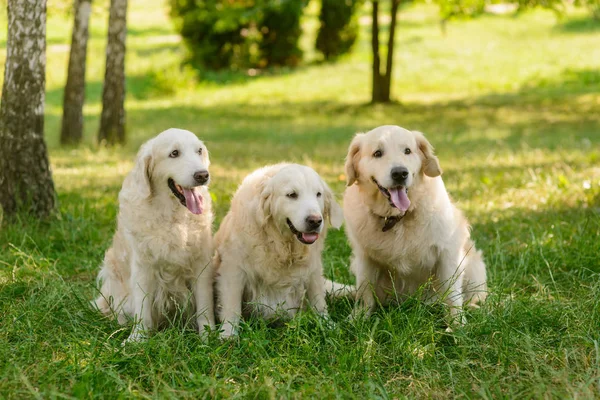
402 226
268 247
160 258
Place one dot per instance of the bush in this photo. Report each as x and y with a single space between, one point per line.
212 30
236 34
339 27
280 32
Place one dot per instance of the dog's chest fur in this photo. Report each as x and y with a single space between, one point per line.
277 281
412 247
177 238
408 248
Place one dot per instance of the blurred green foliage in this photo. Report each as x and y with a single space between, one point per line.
593 7
281 30
461 8
339 27
237 34
450 9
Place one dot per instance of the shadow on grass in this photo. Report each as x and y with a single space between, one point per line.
138 87
543 114
580 25
493 123
487 124
167 47
243 76
149 32
571 82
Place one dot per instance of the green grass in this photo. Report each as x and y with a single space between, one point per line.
513 108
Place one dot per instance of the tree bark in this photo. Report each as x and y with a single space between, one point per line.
382 81
390 51
72 122
376 93
25 177
112 120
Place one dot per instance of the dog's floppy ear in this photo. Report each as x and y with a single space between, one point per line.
352 159
141 175
333 211
431 164
266 195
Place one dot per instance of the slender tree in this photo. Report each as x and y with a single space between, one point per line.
72 122
112 120
382 80
25 177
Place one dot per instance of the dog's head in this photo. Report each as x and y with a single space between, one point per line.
392 159
174 162
298 201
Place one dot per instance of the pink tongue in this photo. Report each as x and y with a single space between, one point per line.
193 200
310 237
399 198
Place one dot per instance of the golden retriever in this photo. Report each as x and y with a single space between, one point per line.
268 247
160 256
402 226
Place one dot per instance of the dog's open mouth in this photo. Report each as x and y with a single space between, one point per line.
189 197
396 196
304 237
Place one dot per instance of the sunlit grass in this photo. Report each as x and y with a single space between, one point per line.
512 105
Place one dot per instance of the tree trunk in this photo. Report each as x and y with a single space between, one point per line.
72 122
376 93
390 51
25 177
112 120
382 82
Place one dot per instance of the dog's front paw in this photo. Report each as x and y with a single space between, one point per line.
228 331
457 317
204 332
205 327
136 336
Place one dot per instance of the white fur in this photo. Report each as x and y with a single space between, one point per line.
160 258
431 241
262 267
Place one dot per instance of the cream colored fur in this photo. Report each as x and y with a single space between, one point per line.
262 267
160 258
430 242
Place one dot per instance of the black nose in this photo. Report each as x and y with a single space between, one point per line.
313 221
399 174
201 176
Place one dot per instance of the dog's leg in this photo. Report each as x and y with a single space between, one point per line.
142 291
450 276
315 292
315 295
230 290
366 281
475 280
204 298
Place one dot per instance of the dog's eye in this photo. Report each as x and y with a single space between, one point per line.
318 194
174 154
378 154
292 195
200 151
407 151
